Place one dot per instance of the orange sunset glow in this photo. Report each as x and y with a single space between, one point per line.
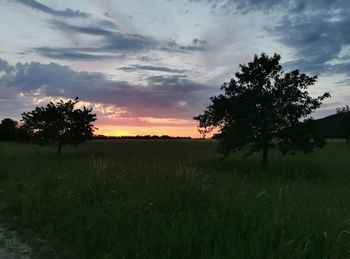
119 131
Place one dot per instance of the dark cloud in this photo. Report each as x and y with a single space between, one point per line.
162 95
68 13
115 40
241 5
316 30
111 41
151 68
168 80
196 45
295 6
32 76
5 66
317 39
72 54
91 30
126 42
108 24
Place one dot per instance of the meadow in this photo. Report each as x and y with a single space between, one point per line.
175 199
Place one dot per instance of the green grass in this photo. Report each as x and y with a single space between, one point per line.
176 199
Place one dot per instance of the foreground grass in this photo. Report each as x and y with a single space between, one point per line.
175 199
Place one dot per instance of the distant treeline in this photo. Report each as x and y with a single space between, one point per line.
11 130
137 137
335 126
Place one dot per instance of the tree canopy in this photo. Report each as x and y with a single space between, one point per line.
261 107
59 124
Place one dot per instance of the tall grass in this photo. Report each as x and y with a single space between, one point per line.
176 199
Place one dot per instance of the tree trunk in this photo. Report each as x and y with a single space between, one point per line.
265 155
59 147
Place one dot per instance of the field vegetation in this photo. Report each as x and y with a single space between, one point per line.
175 199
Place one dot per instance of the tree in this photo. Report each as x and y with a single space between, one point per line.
262 107
60 124
344 113
8 129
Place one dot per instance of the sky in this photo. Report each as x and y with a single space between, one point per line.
149 66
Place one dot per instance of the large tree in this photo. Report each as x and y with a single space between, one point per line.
263 107
60 124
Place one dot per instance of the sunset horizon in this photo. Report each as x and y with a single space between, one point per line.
149 69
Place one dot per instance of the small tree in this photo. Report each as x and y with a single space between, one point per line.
8 129
344 113
263 106
60 124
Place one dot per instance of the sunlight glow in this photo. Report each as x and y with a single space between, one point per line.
113 130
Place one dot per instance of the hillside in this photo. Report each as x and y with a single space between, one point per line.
332 126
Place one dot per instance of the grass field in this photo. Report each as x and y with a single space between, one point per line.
175 199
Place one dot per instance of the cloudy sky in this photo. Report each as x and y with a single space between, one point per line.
149 66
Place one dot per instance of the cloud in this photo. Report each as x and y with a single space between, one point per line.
5 66
71 54
107 36
134 68
240 5
111 40
317 31
68 13
295 6
108 24
168 80
195 45
120 41
161 97
91 30
319 41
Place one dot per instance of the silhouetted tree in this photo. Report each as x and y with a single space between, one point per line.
262 106
344 113
8 129
23 134
60 124
11 130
